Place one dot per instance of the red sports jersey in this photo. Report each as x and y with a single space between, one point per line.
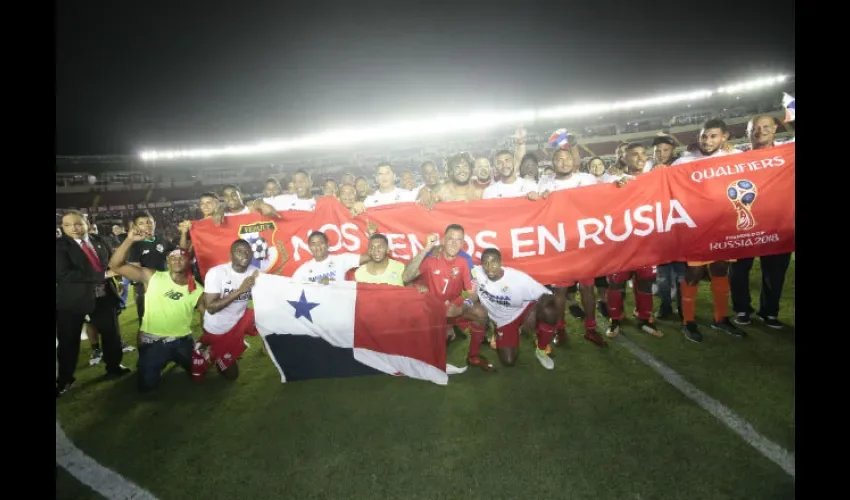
446 279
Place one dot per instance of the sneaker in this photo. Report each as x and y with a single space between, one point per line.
726 326
691 332
772 322
480 362
613 329
576 312
742 319
560 338
593 336
648 326
96 357
544 359
663 313
125 347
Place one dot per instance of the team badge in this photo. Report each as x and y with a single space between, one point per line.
266 251
455 271
160 248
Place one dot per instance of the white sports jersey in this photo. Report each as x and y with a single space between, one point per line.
697 155
578 179
222 280
519 187
397 195
334 268
286 202
507 298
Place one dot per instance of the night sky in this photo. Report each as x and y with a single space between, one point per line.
137 75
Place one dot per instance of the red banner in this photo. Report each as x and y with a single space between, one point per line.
722 208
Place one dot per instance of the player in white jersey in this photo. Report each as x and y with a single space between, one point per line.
663 147
510 185
301 200
227 318
713 142
387 192
643 277
514 301
567 176
324 268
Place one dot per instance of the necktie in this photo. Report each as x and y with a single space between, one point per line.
93 259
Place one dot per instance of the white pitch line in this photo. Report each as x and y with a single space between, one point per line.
737 424
110 484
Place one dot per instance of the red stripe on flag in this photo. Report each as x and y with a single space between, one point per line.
402 322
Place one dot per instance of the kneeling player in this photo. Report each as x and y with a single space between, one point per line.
515 300
447 276
227 319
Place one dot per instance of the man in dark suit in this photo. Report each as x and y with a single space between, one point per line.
84 287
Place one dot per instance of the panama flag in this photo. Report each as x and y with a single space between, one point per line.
790 107
348 329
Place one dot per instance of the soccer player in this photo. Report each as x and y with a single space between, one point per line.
330 188
323 267
459 187
509 185
387 192
302 199
149 251
634 159
514 301
567 176
380 268
483 173
430 177
170 302
713 142
227 318
447 276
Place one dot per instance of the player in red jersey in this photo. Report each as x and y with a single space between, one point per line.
447 276
643 277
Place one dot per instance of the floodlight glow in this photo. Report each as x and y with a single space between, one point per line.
476 121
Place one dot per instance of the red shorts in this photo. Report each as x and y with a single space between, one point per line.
226 348
459 321
508 335
643 272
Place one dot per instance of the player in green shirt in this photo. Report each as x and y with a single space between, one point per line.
171 298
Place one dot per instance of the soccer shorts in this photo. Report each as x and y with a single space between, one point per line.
643 272
508 335
226 348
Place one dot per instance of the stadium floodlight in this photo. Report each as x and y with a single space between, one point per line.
469 122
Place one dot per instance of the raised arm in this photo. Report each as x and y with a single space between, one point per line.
411 270
119 265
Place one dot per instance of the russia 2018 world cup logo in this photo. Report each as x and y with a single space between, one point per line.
743 194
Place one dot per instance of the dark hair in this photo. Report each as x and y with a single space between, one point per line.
141 214
455 159
426 162
231 186
273 181
301 171
634 145
491 251
715 123
318 233
529 156
663 139
379 236
330 180
238 242
454 227
501 152
209 194
74 212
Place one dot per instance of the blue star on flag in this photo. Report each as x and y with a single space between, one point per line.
302 307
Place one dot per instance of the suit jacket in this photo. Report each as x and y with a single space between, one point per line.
76 279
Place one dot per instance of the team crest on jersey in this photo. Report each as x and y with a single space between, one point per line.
505 289
742 193
455 271
265 248
160 248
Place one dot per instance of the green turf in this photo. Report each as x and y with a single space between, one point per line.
601 425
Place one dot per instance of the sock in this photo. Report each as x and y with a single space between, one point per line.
689 301
720 291
560 325
635 290
643 302
476 336
95 347
589 323
615 303
545 333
